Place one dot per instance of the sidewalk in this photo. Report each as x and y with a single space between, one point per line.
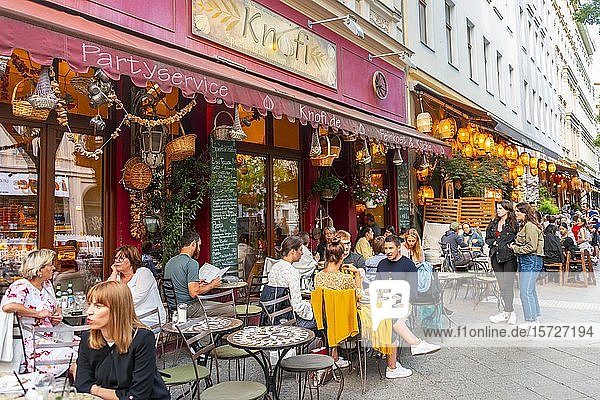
555 372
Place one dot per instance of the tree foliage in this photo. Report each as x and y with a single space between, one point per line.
587 12
477 175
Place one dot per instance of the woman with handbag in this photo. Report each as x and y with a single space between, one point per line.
499 234
117 357
529 248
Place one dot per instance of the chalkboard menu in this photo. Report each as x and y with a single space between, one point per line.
403 196
223 211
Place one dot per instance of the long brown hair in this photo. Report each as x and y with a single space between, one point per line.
335 251
417 250
123 320
510 217
529 212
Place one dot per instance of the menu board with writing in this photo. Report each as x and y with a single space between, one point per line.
403 196
223 211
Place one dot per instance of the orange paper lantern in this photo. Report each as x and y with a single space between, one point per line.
542 165
533 162
552 167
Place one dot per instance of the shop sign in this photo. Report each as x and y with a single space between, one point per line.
252 29
27 185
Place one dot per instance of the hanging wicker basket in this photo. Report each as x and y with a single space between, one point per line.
237 133
222 132
349 136
136 174
326 158
336 146
43 97
181 148
22 108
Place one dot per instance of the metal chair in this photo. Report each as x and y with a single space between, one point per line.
169 297
45 339
251 308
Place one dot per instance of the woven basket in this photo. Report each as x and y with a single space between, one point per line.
22 108
181 148
81 83
326 158
136 174
222 132
349 136
336 148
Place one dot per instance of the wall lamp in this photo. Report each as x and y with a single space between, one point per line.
349 21
403 54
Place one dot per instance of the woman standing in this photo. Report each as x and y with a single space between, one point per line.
127 268
32 299
499 234
529 247
117 357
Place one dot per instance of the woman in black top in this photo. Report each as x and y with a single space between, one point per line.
117 357
499 234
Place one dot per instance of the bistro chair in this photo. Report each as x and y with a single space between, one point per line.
169 297
42 342
278 311
251 306
156 327
580 262
199 347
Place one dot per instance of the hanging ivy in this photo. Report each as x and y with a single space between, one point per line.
477 175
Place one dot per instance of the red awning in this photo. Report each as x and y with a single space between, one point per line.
47 34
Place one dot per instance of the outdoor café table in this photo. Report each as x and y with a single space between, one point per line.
276 337
215 324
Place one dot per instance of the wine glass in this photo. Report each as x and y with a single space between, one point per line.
43 384
79 300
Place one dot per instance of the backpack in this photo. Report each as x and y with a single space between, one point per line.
428 285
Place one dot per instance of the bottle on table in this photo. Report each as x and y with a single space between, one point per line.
58 293
70 296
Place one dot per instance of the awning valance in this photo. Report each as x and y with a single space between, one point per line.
48 34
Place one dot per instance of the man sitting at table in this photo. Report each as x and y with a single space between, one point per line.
452 239
182 270
350 257
398 267
473 239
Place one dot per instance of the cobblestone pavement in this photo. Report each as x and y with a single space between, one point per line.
525 369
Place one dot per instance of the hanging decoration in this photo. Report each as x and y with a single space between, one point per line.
397 157
43 96
315 145
447 128
424 169
464 136
542 165
362 155
533 162
424 120
552 168
425 195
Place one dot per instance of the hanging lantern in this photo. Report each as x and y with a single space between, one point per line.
424 168
513 173
514 153
542 165
552 167
480 140
520 170
397 157
524 158
500 150
511 163
424 122
362 155
467 151
508 153
488 144
463 135
533 171
447 128
516 182
152 141
425 195
533 162
480 152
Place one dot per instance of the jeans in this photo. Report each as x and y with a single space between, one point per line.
530 266
505 274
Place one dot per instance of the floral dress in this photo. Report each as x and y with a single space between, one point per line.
23 292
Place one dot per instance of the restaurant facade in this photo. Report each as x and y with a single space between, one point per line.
307 101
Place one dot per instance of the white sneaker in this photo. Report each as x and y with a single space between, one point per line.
423 348
500 317
529 324
512 319
341 363
398 372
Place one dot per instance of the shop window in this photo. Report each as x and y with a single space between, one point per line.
254 125
286 199
78 208
286 134
19 165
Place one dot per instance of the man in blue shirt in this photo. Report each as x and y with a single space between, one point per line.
182 270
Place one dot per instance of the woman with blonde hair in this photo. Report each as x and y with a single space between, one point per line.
411 247
33 300
117 357
127 268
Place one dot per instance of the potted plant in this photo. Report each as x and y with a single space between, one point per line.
327 186
368 194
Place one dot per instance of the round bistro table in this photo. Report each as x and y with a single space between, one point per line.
215 325
264 338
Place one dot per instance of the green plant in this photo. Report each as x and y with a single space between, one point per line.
178 197
597 140
588 12
327 181
547 207
477 175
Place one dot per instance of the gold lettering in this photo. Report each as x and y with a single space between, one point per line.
273 42
248 20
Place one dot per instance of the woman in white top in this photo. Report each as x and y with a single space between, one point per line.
283 274
127 268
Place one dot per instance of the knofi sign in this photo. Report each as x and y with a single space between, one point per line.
252 29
